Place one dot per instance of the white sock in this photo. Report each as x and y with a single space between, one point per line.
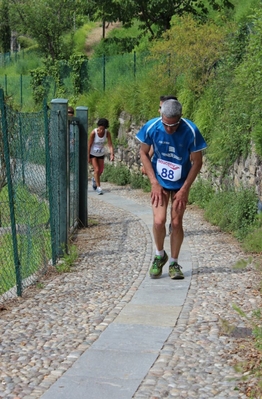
160 253
171 260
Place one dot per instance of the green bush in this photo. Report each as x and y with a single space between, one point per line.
122 176
201 192
253 241
119 41
234 211
116 45
25 42
138 180
119 175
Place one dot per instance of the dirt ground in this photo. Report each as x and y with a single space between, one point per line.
97 34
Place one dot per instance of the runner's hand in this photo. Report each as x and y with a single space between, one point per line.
181 199
157 193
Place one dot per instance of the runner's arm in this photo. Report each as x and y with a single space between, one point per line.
182 195
156 189
110 145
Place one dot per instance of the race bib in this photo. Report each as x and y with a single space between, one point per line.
98 149
168 170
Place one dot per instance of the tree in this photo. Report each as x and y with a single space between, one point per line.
194 50
154 15
105 11
5 30
46 21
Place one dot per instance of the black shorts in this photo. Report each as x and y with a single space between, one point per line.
93 156
172 193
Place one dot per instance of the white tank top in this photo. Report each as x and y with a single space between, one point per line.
98 146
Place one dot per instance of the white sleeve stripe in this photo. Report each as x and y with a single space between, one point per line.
201 149
192 130
152 124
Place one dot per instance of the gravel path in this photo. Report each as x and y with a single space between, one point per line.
43 333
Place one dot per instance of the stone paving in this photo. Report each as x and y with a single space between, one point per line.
43 333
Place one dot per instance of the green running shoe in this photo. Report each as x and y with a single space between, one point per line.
157 265
175 272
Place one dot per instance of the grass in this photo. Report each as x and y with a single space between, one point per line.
66 262
28 208
235 211
34 252
81 34
33 236
251 368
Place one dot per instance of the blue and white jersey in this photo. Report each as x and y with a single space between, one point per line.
171 159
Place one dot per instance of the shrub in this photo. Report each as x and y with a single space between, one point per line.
234 211
253 241
140 181
201 192
120 175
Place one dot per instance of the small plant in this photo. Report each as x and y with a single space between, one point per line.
69 257
92 222
242 263
39 285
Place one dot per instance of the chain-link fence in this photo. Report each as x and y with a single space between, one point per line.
25 219
98 73
11 57
39 190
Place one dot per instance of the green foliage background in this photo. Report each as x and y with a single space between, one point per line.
212 64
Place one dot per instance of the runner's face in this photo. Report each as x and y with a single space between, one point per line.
101 130
171 124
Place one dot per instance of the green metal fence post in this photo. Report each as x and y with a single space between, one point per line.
73 170
21 90
134 64
59 161
21 149
6 85
48 182
104 72
10 195
82 115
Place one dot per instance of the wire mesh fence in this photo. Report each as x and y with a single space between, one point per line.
11 57
39 192
25 220
97 73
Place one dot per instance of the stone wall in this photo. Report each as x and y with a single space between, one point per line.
245 172
128 153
